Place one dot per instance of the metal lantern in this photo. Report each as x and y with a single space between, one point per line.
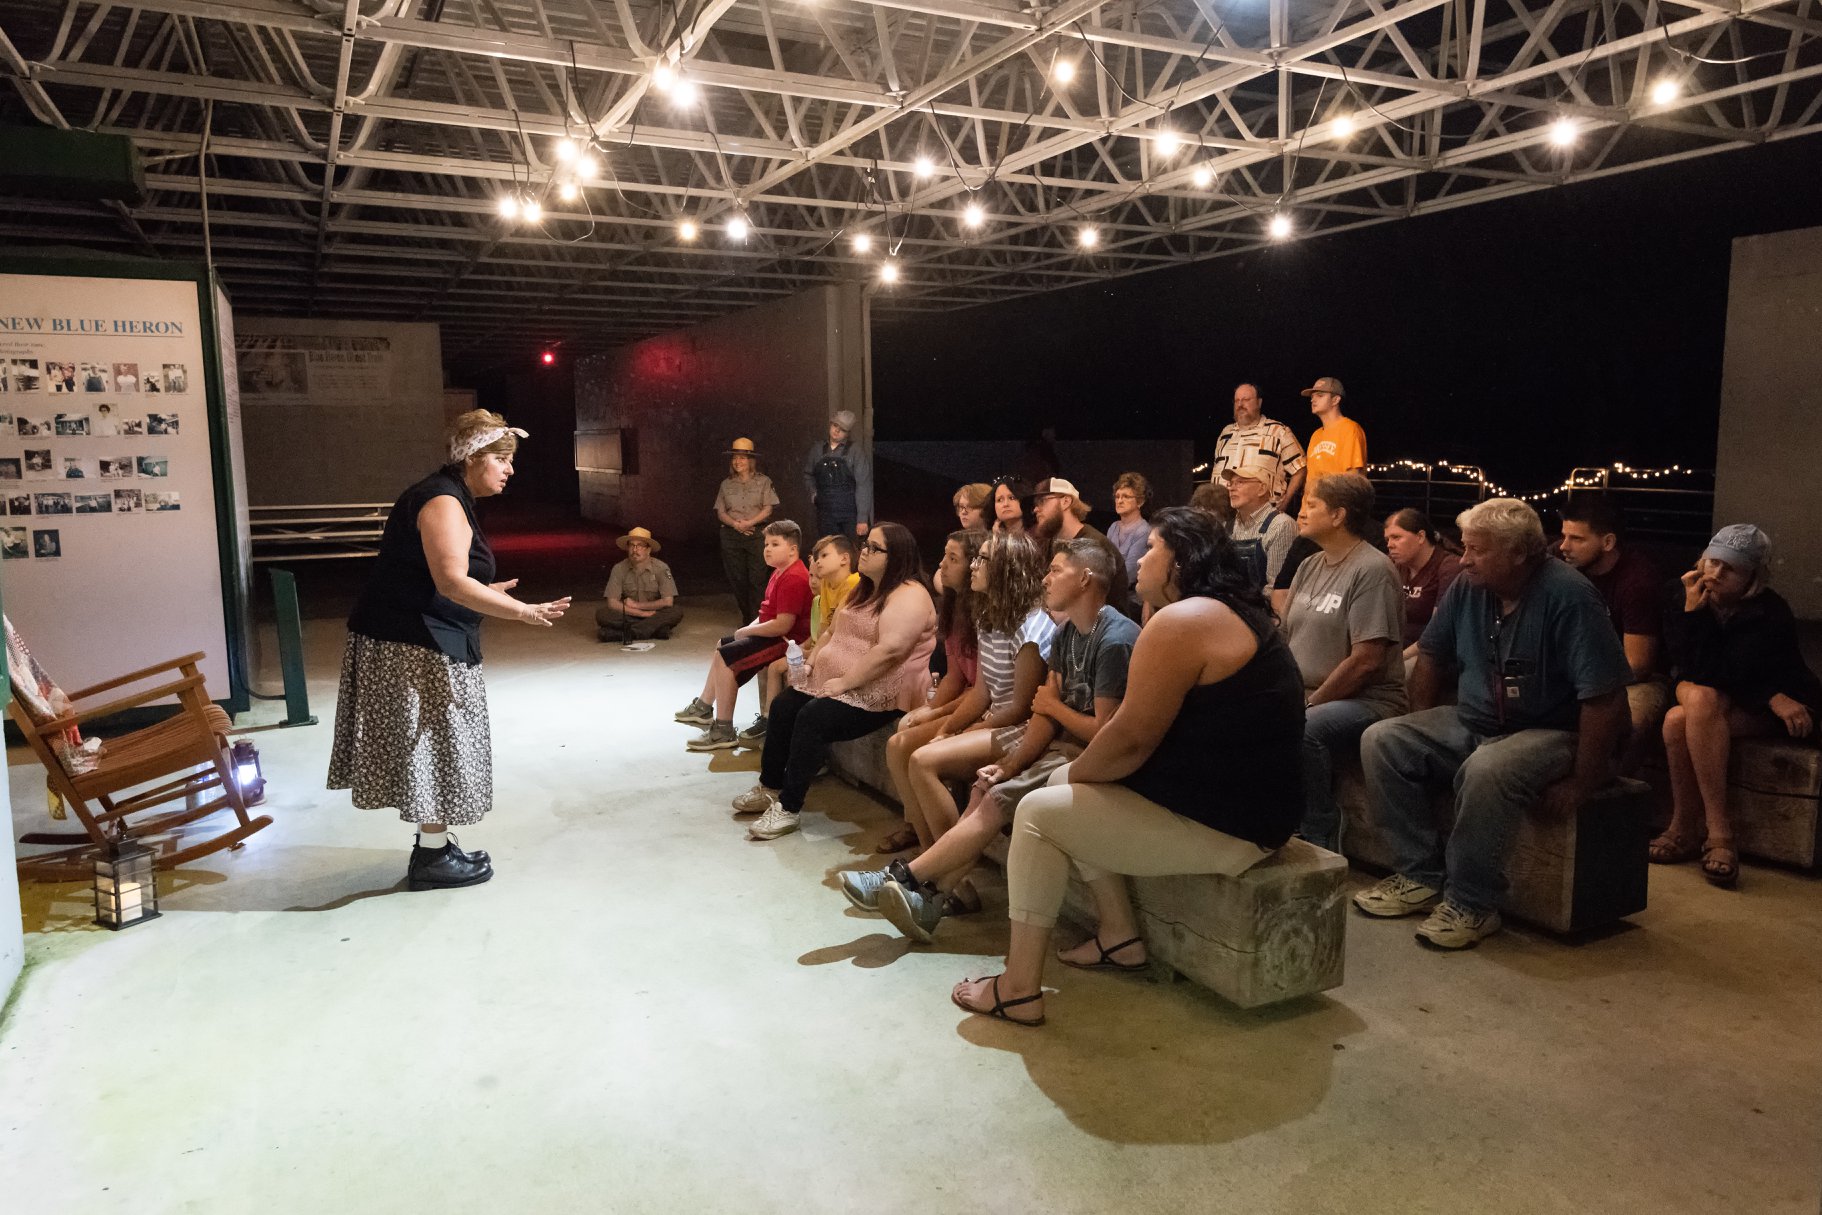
247 774
126 887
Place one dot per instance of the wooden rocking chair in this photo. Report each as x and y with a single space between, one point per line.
169 753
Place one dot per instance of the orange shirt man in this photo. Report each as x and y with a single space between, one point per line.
1339 444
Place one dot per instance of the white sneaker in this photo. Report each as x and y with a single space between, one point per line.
776 821
755 800
1454 927
1395 896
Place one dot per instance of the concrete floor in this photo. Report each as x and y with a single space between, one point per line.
645 1012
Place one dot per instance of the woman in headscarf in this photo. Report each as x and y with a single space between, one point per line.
411 729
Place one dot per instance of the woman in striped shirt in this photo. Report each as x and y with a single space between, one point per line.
1013 649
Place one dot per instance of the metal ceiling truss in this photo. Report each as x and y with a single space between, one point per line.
356 151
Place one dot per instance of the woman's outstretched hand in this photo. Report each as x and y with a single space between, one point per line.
545 614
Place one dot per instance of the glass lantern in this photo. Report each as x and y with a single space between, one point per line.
247 773
126 887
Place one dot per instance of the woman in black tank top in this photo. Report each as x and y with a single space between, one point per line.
1200 770
411 726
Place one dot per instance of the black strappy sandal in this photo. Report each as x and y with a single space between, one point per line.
998 1011
1106 961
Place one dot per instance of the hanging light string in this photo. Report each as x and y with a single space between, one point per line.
1572 482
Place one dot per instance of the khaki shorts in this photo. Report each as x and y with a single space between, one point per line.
1009 791
1649 701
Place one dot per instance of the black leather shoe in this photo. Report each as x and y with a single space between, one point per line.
478 856
448 866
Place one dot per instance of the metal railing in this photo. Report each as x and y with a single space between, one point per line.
1675 505
1440 493
317 532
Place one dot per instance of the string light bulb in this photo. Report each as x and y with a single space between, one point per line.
974 215
1088 237
565 149
888 271
924 166
532 211
1167 142
1203 177
664 77
1564 132
509 206
1063 71
861 242
568 191
738 228
685 92
587 168
1665 91
1344 126
1279 227
687 230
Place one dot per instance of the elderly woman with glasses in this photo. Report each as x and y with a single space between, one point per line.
871 665
411 730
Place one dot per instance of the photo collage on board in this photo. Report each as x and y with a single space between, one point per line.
81 437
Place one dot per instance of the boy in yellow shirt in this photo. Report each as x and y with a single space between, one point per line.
832 567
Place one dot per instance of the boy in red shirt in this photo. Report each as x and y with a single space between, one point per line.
784 616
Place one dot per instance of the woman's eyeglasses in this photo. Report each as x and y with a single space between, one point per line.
874 548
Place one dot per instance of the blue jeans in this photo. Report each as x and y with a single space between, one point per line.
1329 730
1497 778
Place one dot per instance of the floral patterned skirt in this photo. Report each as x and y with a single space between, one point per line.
411 733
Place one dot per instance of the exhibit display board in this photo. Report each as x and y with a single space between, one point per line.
12 931
112 474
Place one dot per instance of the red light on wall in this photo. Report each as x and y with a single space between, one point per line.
549 358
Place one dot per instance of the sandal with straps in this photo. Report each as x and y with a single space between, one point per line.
1720 863
963 900
1668 849
898 841
998 1011
1106 962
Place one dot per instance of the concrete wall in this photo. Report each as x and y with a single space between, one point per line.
338 411
773 374
1769 448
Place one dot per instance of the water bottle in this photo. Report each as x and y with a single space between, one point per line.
793 657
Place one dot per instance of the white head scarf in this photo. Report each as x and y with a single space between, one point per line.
461 449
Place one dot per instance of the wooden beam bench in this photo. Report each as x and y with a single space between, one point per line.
1276 932
1568 875
1774 791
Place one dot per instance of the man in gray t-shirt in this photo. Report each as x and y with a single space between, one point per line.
1344 623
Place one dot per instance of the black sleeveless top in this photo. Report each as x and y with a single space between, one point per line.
1233 758
401 602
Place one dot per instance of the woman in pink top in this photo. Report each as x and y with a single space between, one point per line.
955 625
872 663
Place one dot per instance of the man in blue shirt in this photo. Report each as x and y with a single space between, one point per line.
1540 715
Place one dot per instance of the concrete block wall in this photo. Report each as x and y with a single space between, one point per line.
773 374
1769 447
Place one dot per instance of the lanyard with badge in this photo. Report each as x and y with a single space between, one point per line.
1509 676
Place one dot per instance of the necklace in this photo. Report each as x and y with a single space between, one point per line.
1079 646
